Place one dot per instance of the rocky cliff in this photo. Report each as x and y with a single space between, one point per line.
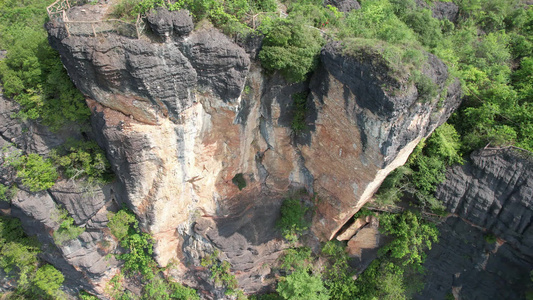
181 112
485 249
83 260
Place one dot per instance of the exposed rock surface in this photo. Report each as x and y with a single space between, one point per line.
177 128
147 80
492 193
83 260
441 10
343 5
166 23
376 128
494 190
463 264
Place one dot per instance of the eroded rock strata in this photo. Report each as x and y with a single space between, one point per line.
180 113
490 196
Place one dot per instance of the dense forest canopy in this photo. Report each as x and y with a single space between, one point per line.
488 47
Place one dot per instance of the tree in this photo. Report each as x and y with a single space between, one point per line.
300 285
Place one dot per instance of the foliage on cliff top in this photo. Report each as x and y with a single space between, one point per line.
292 48
31 73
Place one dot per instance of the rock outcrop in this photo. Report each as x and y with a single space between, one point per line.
441 9
343 5
82 260
490 196
376 128
178 124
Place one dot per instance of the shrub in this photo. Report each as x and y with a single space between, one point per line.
220 272
300 285
120 223
490 238
82 159
239 181
299 111
7 192
138 258
411 235
67 230
292 221
18 258
296 258
83 295
36 173
291 48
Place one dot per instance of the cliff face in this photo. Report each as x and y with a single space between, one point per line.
491 194
82 260
181 113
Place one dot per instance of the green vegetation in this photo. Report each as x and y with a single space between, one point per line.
7 192
239 181
221 273
83 295
490 238
67 230
425 169
396 273
300 285
290 47
36 173
299 111
139 263
292 222
31 72
19 260
78 159
74 159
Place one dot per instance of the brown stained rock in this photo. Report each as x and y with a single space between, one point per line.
366 123
367 238
350 231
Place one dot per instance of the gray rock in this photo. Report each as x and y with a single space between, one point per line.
465 263
492 193
494 190
365 75
441 10
219 63
343 5
143 79
82 200
165 23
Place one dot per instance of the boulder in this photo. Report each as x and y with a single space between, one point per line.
166 23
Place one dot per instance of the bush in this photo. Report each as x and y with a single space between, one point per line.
79 159
19 259
292 221
220 273
411 235
36 173
120 223
67 230
299 111
239 181
291 48
7 192
490 238
300 285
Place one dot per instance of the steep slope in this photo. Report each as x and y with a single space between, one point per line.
490 196
181 113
